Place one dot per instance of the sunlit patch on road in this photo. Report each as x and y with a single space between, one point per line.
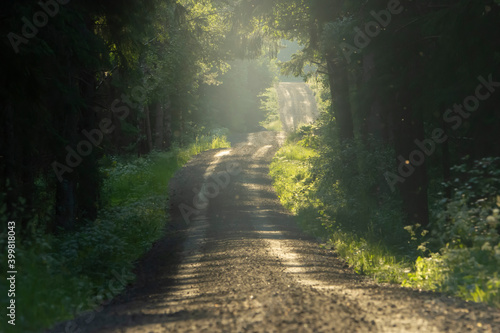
223 153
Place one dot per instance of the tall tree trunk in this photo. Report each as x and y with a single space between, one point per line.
148 127
142 141
409 127
372 120
65 205
167 126
159 126
339 88
9 153
88 173
446 164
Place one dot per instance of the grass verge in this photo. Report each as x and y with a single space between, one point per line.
467 271
60 276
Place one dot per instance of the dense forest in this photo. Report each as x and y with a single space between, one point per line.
407 139
402 167
82 81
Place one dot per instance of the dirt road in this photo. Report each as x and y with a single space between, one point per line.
297 105
235 262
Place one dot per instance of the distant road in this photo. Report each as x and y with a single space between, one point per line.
297 105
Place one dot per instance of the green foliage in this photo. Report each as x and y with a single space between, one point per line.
201 144
286 61
469 218
292 176
235 103
369 257
465 234
400 85
355 194
40 281
460 255
72 272
429 273
270 106
477 180
301 190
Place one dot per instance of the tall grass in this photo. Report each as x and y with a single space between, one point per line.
59 276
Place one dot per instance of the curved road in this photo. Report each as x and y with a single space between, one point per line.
236 262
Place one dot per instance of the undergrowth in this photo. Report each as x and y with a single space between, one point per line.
459 253
66 274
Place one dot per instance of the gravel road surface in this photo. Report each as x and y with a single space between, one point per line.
234 261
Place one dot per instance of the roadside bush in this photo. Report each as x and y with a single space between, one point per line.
465 234
354 192
312 184
336 194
